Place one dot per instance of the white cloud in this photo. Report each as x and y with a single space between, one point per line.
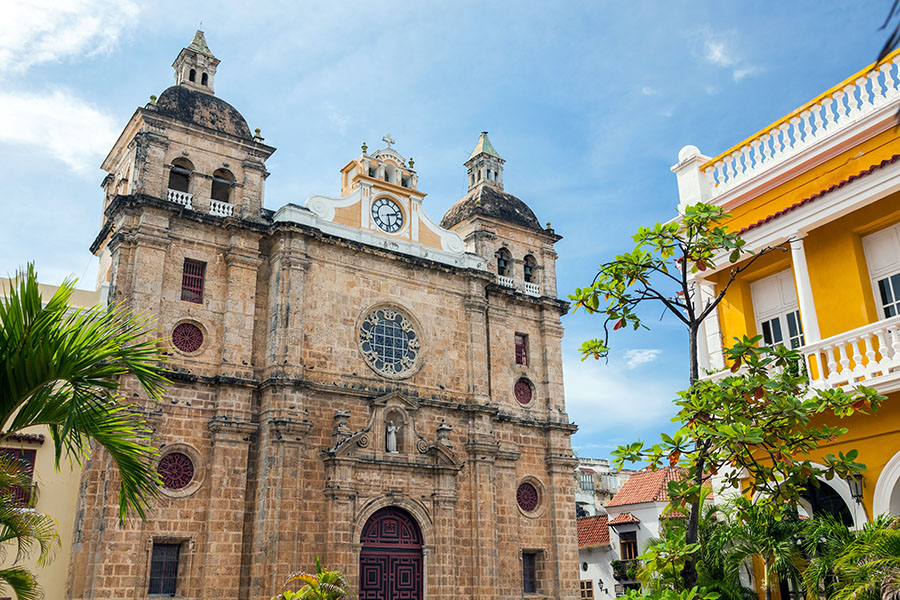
637 357
744 72
37 31
339 120
716 53
718 50
649 91
59 124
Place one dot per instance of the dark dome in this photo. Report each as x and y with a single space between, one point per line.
491 202
203 109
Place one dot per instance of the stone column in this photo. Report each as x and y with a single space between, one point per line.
551 358
242 261
804 291
287 287
484 571
148 172
443 576
227 476
564 552
479 366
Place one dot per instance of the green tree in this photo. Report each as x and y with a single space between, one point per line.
323 585
758 421
26 531
857 565
61 367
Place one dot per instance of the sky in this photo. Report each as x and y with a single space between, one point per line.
589 102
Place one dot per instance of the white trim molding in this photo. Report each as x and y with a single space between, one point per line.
884 487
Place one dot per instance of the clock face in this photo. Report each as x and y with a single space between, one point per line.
387 215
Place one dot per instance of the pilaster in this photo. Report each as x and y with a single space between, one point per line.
804 291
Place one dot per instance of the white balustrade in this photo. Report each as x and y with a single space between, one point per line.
843 105
856 356
182 198
532 289
505 281
221 209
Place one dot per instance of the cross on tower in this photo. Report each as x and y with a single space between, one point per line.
387 139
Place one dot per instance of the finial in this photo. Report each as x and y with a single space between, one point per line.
548 225
387 139
152 98
364 148
257 134
411 163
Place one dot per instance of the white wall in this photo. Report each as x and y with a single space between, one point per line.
599 570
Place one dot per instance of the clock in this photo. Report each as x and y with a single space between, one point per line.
387 215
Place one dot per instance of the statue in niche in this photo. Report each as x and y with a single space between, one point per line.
391 438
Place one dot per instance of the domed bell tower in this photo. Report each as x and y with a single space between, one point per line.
195 67
485 166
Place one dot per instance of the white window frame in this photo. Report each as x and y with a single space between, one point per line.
775 298
882 250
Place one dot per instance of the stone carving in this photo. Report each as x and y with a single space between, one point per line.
391 436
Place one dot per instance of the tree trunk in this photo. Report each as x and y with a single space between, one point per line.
689 572
766 580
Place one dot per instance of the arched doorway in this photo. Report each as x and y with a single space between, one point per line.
390 561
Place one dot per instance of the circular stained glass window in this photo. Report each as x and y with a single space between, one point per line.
187 337
389 343
527 497
176 470
523 391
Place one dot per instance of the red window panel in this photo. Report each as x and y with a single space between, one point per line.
521 349
26 457
192 280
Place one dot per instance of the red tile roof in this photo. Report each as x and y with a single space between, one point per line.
593 531
624 519
34 438
646 486
821 193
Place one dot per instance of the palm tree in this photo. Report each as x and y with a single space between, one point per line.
771 535
858 565
324 585
27 529
61 368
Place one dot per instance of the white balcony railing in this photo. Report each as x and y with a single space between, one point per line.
221 209
856 356
532 289
182 198
505 281
846 103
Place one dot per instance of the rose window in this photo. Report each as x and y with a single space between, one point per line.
176 470
527 497
523 391
187 337
389 343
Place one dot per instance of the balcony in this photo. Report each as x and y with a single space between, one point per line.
532 289
220 209
868 355
182 198
505 281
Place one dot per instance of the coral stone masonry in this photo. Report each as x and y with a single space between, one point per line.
348 380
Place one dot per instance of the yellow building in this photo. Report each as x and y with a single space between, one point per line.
57 489
822 183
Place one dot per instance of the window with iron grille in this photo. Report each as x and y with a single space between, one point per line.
521 349
192 280
529 572
25 457
164 569
628 545
587 589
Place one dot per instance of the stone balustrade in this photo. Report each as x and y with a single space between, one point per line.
182 198
846 103
220 209
532 289
861 355
505 281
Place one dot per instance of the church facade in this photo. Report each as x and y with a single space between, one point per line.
351 380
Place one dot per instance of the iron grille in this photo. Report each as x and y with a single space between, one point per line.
192 280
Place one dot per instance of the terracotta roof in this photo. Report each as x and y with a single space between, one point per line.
818 195
624 519
35 438
593 531
646 486
673 514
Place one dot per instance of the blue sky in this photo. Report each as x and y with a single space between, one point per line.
588 102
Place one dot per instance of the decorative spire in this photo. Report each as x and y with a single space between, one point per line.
198 44
485 167
195 67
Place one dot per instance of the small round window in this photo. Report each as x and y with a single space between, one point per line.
187 337
527 497
176 470
523 391
389 342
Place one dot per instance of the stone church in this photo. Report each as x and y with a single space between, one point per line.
352 380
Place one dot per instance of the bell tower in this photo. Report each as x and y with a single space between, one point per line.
485 166
195 67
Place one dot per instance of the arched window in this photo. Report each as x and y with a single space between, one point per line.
530 264
204 80
192 75
503 260
180 175
222 183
